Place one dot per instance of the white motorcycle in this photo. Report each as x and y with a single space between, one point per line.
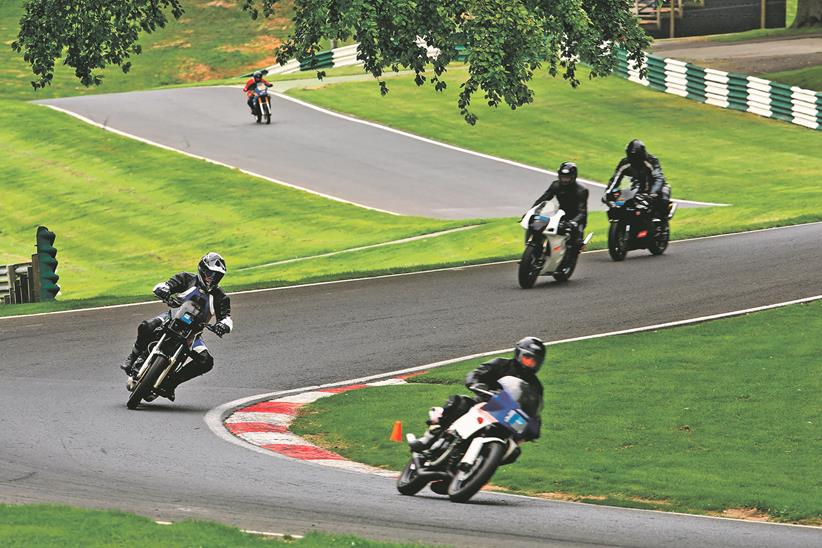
466 454
546 245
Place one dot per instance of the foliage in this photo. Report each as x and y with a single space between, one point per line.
506 40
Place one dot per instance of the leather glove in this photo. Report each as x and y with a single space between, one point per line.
162 292
221 329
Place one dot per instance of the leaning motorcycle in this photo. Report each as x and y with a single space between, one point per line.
633 226
546 245
262 102
169 353
465 455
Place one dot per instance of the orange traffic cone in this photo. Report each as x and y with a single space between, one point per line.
396 432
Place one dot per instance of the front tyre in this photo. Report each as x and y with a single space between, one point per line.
409 482
617 241
467 482
268 111
528 267
146 383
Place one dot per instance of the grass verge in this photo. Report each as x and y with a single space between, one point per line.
716 418
213 40
806 78
766 169
120 227
49 525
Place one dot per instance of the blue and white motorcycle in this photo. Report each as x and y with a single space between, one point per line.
465 455
262 102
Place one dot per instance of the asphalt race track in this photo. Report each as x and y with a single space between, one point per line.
327 154
66 435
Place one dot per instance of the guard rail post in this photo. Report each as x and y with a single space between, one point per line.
5 285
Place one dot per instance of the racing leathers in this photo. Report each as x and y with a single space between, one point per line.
249 90
646 178
487 376
573 199
182 284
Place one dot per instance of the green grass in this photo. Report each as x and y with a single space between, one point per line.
121 228
768 170
209 42
49 525
807 78
701 419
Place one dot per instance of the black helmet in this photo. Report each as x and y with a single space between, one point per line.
530 353
210 270
567 173
636 153
258 75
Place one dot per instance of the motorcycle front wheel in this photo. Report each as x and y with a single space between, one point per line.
409 482
617 241
466 483
528 269
268 112
146 382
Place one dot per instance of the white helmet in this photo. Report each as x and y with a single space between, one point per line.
210 270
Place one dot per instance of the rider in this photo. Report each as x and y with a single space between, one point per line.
529 353
572 198
646 176
210 271
251 84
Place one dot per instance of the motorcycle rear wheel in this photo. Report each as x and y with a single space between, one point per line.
617 242
145 384
466 484
409 482
659 244
528 272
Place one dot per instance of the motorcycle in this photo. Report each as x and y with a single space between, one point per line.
633 226
465 455
546 245
262 102
168 354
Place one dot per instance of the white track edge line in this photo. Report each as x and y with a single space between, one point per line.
215 162
429 141
249 531
363 248
398 274
215 416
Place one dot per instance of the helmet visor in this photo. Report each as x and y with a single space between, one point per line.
528 360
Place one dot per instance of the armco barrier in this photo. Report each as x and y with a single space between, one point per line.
726 89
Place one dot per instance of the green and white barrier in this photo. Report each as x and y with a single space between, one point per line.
727 89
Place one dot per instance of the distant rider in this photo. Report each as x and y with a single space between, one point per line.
210 271
251 84
646 176
572 198
529 354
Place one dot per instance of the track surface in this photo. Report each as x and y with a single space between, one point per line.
65 434
327 154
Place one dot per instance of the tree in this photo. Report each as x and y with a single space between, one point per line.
506 40
808 14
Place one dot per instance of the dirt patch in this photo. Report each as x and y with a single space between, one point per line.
658 502
258 44
751 514
192 71
556 495
178 43
221 4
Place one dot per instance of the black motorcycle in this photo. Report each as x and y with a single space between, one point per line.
169 353
633 225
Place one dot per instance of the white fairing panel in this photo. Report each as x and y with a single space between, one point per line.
473 420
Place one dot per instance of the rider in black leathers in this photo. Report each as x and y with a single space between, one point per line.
529 354
572 198
646 176
210 271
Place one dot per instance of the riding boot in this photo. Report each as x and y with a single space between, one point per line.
128 364
421 444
